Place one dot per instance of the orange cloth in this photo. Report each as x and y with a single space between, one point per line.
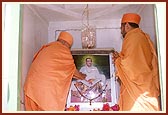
49 77
30 105
137 69
131 17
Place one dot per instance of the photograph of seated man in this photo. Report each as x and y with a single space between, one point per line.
93 77
96 87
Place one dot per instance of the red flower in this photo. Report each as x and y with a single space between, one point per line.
73 108
106 107
76 107
115 107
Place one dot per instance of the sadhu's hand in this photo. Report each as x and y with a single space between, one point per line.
115 55
82 75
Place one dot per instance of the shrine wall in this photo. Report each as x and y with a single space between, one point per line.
107 31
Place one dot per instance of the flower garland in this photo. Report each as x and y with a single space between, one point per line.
106 107
73 108
87 97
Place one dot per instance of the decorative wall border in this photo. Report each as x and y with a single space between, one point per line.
92 51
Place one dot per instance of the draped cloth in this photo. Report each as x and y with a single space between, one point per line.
137 68
49 77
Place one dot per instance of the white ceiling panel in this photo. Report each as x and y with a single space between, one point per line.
74 12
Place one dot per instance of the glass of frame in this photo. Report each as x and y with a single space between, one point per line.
94 96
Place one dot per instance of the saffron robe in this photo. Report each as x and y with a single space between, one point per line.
137 69
49 77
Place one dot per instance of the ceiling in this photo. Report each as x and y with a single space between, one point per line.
77 12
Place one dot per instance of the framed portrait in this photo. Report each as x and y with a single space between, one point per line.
104 89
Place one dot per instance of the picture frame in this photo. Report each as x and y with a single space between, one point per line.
102 59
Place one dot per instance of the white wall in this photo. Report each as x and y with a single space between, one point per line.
10 42
108 31
161 40
147 23
35 34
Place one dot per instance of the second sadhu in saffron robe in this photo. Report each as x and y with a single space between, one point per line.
49 78
137 69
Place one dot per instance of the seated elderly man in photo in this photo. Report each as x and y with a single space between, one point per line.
93 77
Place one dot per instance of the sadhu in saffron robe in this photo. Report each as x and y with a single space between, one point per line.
49 78
137 69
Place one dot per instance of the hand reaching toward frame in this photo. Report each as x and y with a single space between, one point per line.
115 55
